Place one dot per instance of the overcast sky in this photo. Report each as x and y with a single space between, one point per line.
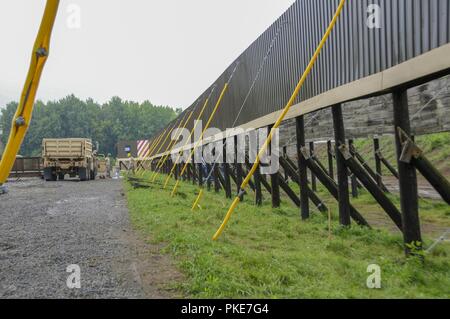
166 51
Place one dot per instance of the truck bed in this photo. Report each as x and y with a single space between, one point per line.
67 148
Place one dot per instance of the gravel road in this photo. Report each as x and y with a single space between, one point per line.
47 226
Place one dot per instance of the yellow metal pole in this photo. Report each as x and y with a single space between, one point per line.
173 141
280 118
156 143
163 160
197 201
165 139
211 117
189 138
151 152
22 117
145 157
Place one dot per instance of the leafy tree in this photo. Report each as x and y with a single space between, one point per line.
106 124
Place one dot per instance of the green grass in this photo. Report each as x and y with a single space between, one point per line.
271 253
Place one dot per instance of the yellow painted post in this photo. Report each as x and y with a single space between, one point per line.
195 205
150 151
169 148
280 118
211 117
189 138
156 144
146 155
22 118
165 139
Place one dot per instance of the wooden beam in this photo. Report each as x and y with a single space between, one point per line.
407 177
302 168
343 194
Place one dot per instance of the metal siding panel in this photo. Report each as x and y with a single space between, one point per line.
423 10
434 24
409 28
443 21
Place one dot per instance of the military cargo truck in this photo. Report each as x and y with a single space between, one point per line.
72 156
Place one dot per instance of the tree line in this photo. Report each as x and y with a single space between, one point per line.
105 123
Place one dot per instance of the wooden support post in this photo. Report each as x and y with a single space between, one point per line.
353 179
376 149
257 178
433 176
313 177
302 168
250 183
208 181
366 166
330 159
331 185
320 164
200 174
188 173
414 155
275 182
193 168
226 171
217 184
342 173
258 190
372 187
221 179
177 171
292 171
239 173
216 171
289 192
387 164
407 176
264 181
286 176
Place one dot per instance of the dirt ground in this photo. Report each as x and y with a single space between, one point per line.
47 226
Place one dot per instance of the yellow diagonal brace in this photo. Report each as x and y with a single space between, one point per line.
187 141
197 201
22 117
155 144
163 159
165 139
171 142
280 118
145 157
211 117
152 151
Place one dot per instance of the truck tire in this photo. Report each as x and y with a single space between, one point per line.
48 174
83 173
61 176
